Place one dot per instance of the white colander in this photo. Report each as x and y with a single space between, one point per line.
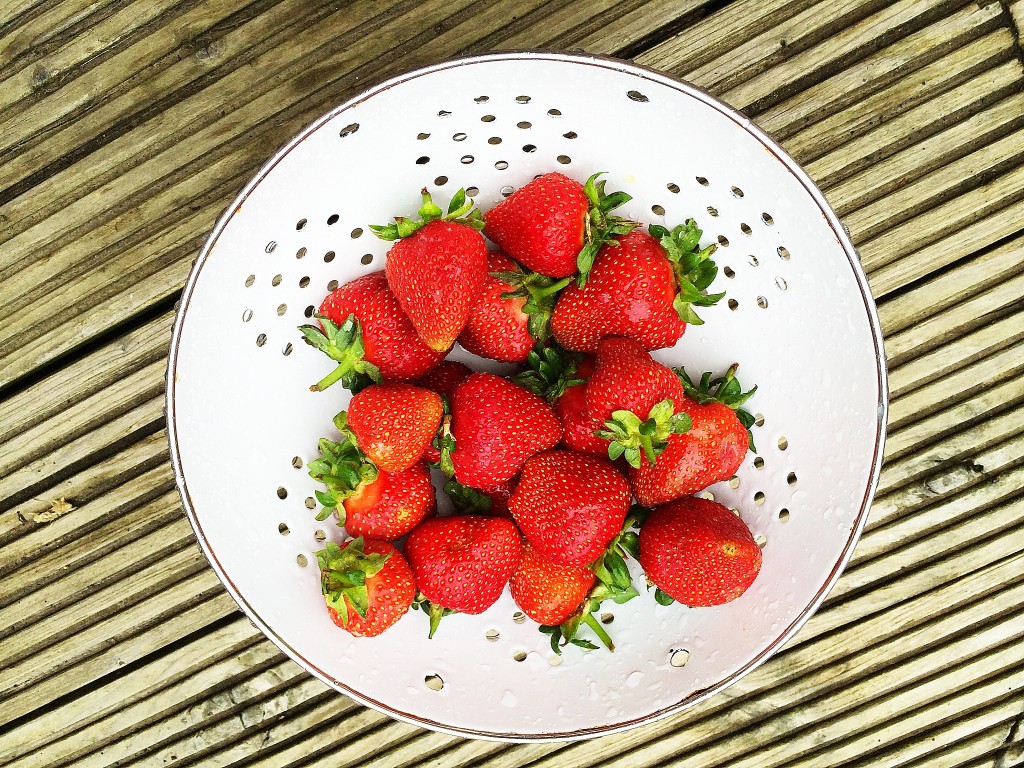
798 318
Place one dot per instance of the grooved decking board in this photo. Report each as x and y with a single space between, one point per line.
126 127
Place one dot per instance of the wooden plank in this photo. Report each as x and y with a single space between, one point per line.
881 86
101 368
927 121
938 237
103 37
966 524
83 419
43 537
57 600
982 404
910 523
127 466
140 421
958 352
964 315
37 33
159 688
714 37
155 633
811 49
228 714
942 185
635 25
987 129
1002 365
937 470
981 731
981 751
31 654
937 294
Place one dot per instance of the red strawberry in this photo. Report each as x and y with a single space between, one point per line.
641 287
390 506
366 332
462 563
368 502
438 267
497 426
570 506
514 312
698 552
560 377
549 593
711 451
636 398
367 604
444 378
394 423
554 225
579 428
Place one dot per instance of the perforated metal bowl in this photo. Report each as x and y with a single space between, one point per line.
799 319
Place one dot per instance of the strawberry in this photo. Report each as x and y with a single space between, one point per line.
711 451
444 378
554 225
642 287
636 398
549 593
579 428
368 502
366 332
394 423
698 552
570 506
497 426
560 377
462 563
485 501
367 584
512 313
438 267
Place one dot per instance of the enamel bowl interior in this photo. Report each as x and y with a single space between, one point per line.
798 318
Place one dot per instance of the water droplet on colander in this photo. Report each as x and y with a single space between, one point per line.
633 679
508 699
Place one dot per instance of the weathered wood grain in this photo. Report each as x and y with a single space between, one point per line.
881 86
125 128
939 293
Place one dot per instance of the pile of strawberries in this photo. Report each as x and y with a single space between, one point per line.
542 466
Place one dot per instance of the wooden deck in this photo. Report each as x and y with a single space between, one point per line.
125 128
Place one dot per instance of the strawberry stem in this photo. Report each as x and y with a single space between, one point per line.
539 291
343 575
595 625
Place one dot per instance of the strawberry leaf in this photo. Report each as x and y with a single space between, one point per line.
342 468
467 501
343 575
600 227
461 210
540 292
638 440
662 598
344 345
725 390
694 270
550 371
